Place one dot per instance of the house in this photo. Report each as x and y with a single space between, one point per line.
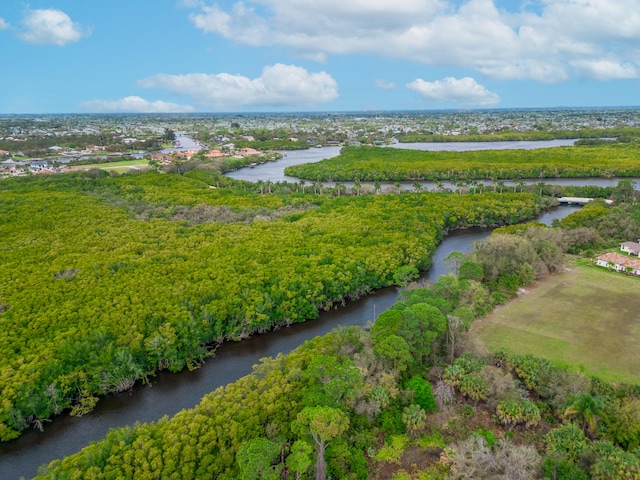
632 248
249 152
215 154
37 166
619 262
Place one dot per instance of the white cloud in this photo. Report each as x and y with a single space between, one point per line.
544 40
4 25
278 86
50 27
384 85
191 3
134 104
464 92
605 69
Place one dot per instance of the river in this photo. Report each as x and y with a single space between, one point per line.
274 171
170 393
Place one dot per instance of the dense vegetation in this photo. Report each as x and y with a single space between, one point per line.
106 279
406 399
529 135
371 163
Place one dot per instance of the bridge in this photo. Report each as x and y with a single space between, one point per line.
579 200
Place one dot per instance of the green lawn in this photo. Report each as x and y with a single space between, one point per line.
120 167
587 319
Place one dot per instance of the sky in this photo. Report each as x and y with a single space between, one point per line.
103 56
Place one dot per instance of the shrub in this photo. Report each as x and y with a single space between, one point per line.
474 459
423 393
568 441
558 467
390 422
393 450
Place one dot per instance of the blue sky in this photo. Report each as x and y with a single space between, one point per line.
70 56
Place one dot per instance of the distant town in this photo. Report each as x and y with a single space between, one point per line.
38 144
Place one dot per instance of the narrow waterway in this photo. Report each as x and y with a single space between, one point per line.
170 393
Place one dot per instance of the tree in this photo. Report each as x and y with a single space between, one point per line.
323 424
414 418
590 408
395 349
154 165
299 460
178 163
623 425
423 328
470 270
625 191
255 457
357 186
454 326
454 260
331 381
423 393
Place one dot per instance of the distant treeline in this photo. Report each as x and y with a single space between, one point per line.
504 136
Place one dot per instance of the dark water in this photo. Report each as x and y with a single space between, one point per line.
170 393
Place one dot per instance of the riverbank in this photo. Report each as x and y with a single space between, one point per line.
171 393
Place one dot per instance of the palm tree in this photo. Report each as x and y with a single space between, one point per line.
521 184
590 408
417 186
397 186
302 183
414 418
356 186
377 186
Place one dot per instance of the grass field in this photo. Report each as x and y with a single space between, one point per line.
587 319
122 166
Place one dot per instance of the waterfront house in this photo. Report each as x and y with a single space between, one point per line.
621 263
215 154
631 248
247 152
